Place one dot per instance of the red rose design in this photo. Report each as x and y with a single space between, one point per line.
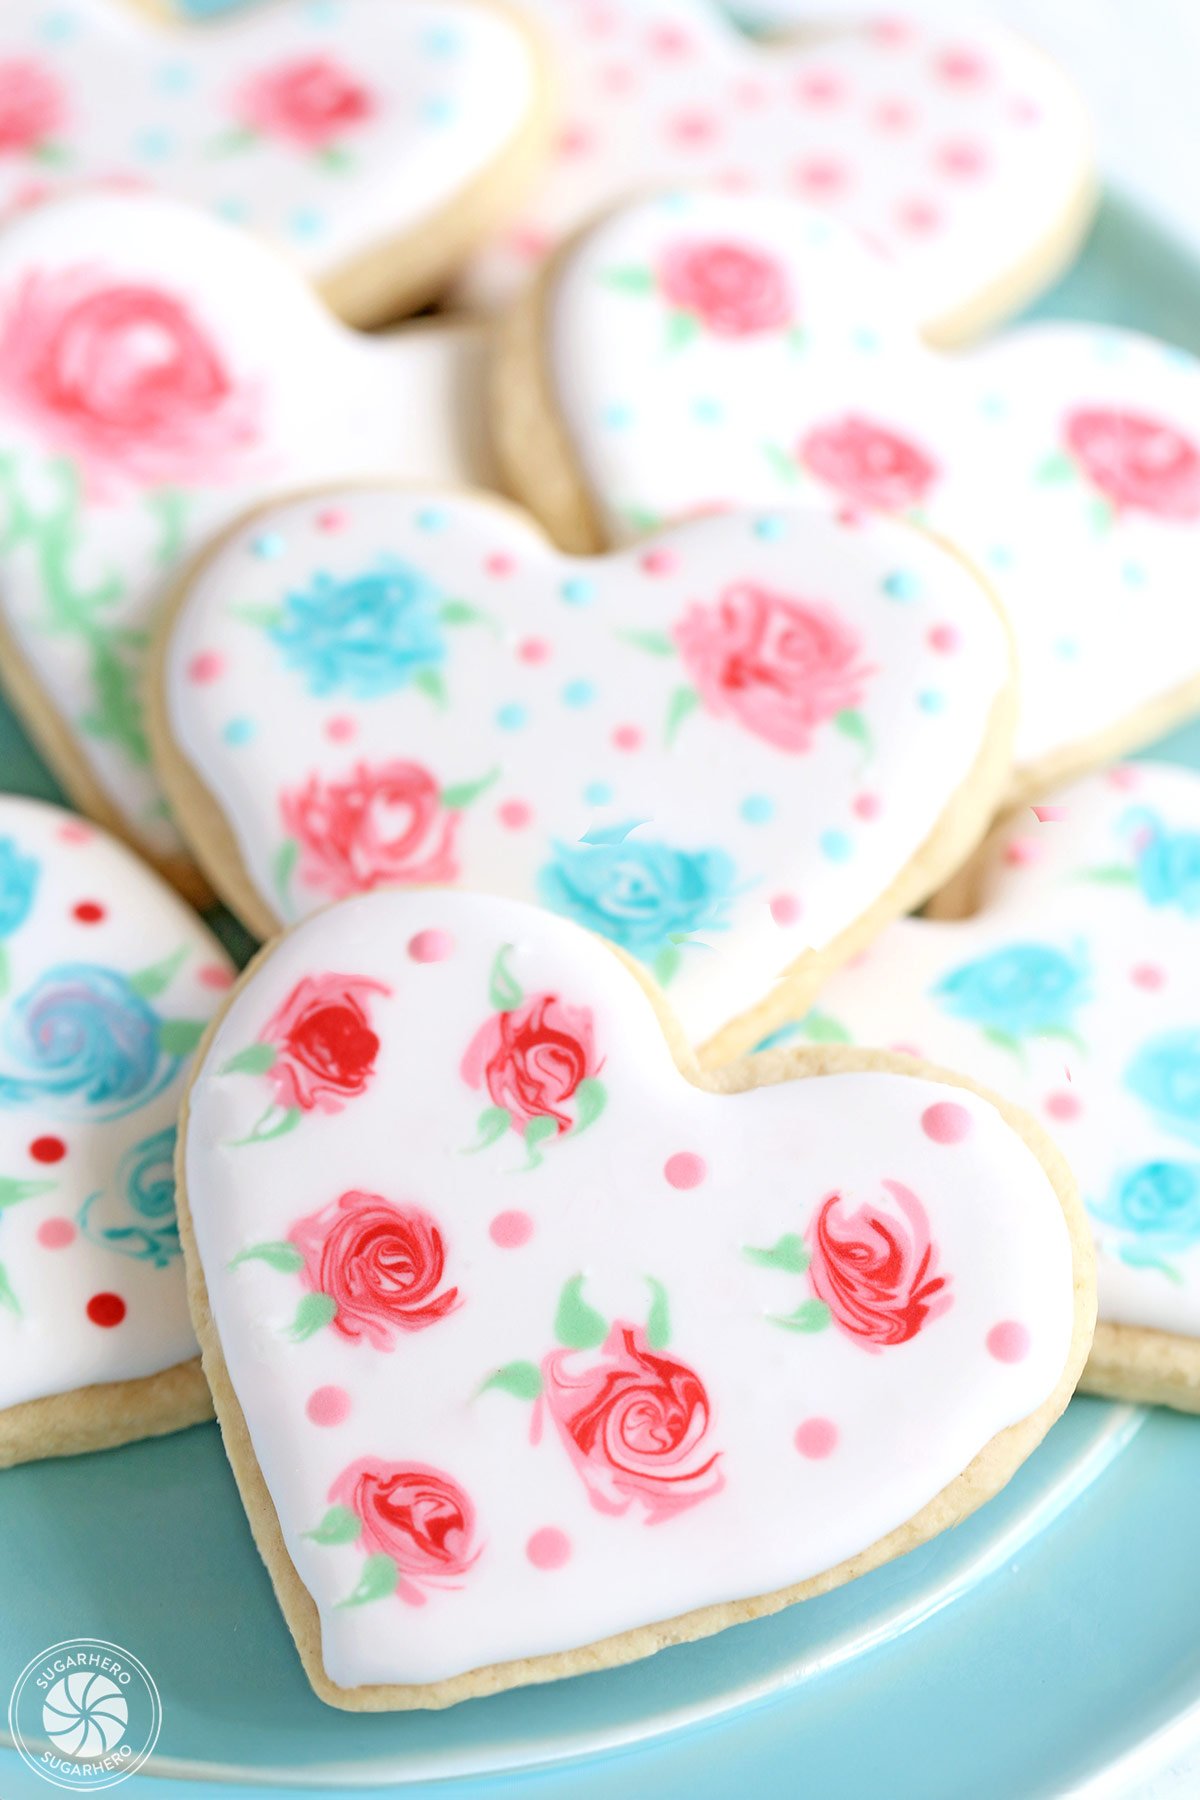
734 291
122 378
310 102
533 1058
634 1424
417 1515
869 464
380 827
875 1272
325 1046
382 1264
1137 462
32 105
779 666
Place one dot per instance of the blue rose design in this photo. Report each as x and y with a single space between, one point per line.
88 1041
138 1217
1165 1076
18 879
1159 1202
1167 863
641 895
1017 992
364 637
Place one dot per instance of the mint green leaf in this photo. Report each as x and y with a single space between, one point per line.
641 521
463 792
461 612
523 1380
266 616
1058 466
666 964
577 1325
591 1097
1004 1040
7 1297
821 1028
12 1190
788 1254
159 976
335 158
170 508
810 1315
430 683
279 1254
339 1526
1112 874
284 867
536 1132
1103 514
630 280
231 142
504 991
658 1325
314 1312
179 1037
274 1123
378 1579
851 724
682 329
658 643
256 1059
783 465
797 339
493 1122
684 700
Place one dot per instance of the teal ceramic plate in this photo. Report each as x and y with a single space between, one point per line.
1049 1640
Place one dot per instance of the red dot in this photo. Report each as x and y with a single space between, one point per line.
88 912
946 1123
213 975
548 1548
106 1310
1009 1341
816 1438
47 1149
685 1169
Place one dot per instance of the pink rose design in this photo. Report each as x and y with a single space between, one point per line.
121 377
780 667
634 1424
309 102
418 1516
1136 462
381 827
869 464
32 105
533 1059
324 1043
734 291
876 1271
382 1265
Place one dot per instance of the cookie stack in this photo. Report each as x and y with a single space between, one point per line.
573 690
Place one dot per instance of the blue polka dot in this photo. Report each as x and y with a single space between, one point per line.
306 223
323 12
1133 575
578 590
176 78
931 701
512 716
578 693
597 793
437 110
617 417
1067 648
866 339
239 731
269 547
770 529
233 209
836 845
441 40
57 27
901 584
675 203
153 145
758 809
993 406
999 557
708 412
432 518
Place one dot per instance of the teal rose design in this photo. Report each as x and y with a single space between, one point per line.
368 636
1158 1202
18 880
645 896
138 1217
1165 1076
1167 863
88 1043
1022 991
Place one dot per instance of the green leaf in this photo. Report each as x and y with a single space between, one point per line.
339 1526
658 1325
7 1296
682 329
577 1325
537 1132
255 1059
430 683
658 643
279 1254
170 508
13 1190
523 1380
1058 466
504 991
851 724
463 792
797 339
266 616
159 976
461 612
335 158
1066 1036
1112 874
236 139
314 1312
810 1315
1004 1040
788 1254
493 1122
783 465
641 521
284 867
684 700
821 1028
630 280
666 964
116 715
274 1123
378 1579
179 1037
50 154
591 1097
1103 514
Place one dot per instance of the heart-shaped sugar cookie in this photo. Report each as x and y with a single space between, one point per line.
373 141
158 373
960 150
697 350
1073 988
106 982
736 751
533 1354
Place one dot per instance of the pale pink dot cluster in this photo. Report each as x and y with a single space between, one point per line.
1149 977
659 562
945 639
500 563
627 737
332 519
534 651
75 832
866 806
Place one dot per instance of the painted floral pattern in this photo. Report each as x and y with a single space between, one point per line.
869 464
310 103
729 290
1166 862
1156 1210
374 634
317 1050
33 108
1137 463
876 1268
1022 991
416 1524
137 1217
1164 1074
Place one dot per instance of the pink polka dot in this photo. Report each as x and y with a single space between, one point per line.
820 176
1021 852
866 806
511 1229
1123 776
549 1548
961 67
627 737
207 665
575 140
430 946
893 115
685 1169
891 32
820 87
341 728
332 518
500 563
785 909
900 1048
963 158
328 1405
946 1122
1063 1106
1008 1341
515 814
1148 976
534 650
920 217
659 562
215 976
816 1438
74 832
693 130
55 1234
945 639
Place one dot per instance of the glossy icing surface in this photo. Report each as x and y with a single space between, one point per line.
149 393
106 982
537 1342
707 350
719 750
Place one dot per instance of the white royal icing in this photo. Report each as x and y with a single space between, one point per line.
1073 990
958 150
159 373
719 749
384 1300
330 128
706 349
106 981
